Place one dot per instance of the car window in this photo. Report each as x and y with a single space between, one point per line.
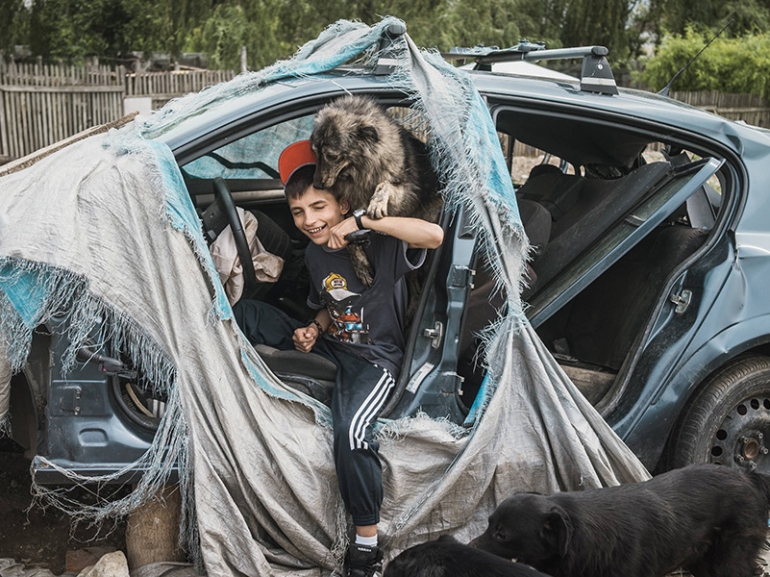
255 156
412 119
620 238
252 157
525 160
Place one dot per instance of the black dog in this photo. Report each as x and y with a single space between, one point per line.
709 519
448 558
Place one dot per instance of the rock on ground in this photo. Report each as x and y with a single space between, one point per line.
110 565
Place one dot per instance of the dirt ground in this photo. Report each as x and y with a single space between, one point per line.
37 537
41 538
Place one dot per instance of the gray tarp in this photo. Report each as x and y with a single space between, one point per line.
104 231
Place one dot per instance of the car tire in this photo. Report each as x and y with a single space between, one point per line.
728 420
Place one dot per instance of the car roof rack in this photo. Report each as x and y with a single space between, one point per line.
386 51
596 75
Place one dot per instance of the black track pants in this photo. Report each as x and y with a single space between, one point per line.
360 392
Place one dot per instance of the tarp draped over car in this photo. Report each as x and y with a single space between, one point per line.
104 235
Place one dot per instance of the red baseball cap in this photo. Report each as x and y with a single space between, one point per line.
293 157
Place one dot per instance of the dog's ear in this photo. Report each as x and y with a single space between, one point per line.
368 133
557 530
447 539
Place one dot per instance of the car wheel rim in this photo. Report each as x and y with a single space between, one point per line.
742 438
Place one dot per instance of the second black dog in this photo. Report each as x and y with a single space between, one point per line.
709 519
448 558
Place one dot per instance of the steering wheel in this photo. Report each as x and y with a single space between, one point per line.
224 199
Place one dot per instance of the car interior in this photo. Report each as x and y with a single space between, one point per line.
592 182
230 176
602 251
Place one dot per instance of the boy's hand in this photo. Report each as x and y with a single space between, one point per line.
339 231
304 338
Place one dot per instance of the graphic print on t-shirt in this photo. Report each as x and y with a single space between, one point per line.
347 325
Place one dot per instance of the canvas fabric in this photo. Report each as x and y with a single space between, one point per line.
101 239
224 252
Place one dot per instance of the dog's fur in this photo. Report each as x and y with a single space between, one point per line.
448 558
709 519
368 159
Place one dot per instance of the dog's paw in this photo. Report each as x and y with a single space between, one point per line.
378 205
377 209
361 265
365 276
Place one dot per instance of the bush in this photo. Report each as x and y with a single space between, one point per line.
737 65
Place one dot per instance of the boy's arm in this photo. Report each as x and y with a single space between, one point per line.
305 337
324 319
415 232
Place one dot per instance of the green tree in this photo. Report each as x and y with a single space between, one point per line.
178 19
603 22
13 23
740 65
299 22
220 36
542 21
488 22
273 29
74 29
676 16
561 23
428 22
255 24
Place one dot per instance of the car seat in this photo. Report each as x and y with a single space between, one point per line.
274 239
607 316
582 210
310 373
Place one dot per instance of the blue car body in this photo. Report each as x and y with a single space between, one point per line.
708 312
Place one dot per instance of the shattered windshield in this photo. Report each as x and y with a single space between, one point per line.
237 159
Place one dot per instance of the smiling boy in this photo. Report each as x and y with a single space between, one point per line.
359 328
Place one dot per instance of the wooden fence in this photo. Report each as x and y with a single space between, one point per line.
163 86
41 104
750 108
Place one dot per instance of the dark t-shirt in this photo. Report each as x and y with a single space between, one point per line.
370 321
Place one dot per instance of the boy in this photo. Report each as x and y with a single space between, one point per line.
360 329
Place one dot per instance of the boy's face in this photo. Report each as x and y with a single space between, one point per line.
316 212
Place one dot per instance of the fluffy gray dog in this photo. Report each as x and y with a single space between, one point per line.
370 160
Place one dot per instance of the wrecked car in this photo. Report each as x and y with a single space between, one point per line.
650 256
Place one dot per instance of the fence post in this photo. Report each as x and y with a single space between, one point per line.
4 152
